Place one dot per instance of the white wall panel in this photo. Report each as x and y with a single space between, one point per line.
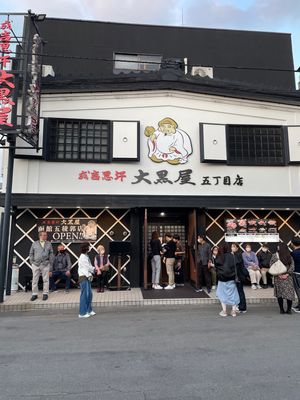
294 143
125 136
213 143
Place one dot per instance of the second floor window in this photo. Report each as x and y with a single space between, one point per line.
78 140
255 145
136 62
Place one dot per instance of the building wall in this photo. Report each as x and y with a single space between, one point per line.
188 110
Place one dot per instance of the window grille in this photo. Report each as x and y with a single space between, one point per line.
78 140
255 145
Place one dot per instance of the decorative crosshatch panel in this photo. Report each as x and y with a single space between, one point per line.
112 225
288 224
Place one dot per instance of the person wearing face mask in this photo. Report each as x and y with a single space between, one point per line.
101 264
264 258
61 269
203 257
251 263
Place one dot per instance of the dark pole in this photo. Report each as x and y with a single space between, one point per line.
10 255
6 218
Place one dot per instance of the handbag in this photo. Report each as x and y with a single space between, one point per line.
277 268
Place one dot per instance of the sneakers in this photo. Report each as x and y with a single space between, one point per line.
169 287
158 287
92 313
45 297
87 315
33 297
296 309
223 314
213 288
199 290
259 287
233 313
253 286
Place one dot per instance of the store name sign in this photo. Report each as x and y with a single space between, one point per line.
183 177
6 78
69 230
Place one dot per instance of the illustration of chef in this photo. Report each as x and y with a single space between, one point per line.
168 143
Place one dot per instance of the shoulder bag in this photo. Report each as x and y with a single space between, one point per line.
277 268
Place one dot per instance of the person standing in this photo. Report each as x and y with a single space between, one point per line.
169 256
264 258
41 259
251 263
204 255
101 264
156 251
283 284
61 268
227 291
215 254
179 253
85 273
296 273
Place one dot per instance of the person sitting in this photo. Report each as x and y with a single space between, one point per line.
251 263
264 258
61 268
101 264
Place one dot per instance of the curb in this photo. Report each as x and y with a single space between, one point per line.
125 303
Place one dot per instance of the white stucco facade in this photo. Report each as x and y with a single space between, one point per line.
188 110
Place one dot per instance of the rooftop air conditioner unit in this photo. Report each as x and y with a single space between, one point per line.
203 71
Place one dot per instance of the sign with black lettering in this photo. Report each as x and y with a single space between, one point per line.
77 230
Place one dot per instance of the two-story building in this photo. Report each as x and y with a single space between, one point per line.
149 128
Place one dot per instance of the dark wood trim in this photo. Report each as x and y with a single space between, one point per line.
38 200
135 238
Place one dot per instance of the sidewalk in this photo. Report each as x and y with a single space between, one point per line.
20 301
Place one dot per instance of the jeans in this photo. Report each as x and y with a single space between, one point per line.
243 304
86 296
61 275
156 268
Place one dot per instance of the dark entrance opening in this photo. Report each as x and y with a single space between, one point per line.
177 221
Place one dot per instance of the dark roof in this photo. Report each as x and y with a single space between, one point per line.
170 79
69 39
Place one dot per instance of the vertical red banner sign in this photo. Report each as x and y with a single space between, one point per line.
6 79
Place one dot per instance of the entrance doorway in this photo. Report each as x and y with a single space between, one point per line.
181 222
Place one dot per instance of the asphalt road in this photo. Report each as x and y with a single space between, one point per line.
178 353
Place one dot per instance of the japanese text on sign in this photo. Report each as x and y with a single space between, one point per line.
6 78
69 230
184 177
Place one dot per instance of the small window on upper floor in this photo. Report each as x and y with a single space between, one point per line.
136 62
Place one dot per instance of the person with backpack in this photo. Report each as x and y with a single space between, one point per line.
227 291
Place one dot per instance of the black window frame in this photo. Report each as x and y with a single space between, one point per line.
47 153
254 162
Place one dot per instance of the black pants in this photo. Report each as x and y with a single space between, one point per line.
102 280
280 303
178 271
243 304
296 281
204 273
